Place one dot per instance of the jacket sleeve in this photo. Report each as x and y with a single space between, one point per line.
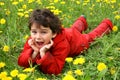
25 56
53 61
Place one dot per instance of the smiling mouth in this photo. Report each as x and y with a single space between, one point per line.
40 43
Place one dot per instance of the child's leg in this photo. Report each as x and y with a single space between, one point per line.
103 28
80 24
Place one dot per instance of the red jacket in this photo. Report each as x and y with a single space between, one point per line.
70 42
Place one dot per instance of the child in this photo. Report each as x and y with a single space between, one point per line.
50 43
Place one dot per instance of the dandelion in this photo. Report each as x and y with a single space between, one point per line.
38 1
101 66
22 76
1 31
14 3
2 21
56 11
3 75
24 6
41 79
6 48
26 15
62 2
77 2
31 1
79 72
20 0
117 17
79 61
68 77
55 1
14 73
7 78
115 28
2 64
20 14
112 71
70 72
69 59
28 70
26 37
7 12
2 3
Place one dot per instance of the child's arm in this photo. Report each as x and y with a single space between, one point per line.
36 50
25 56
45 48
54 59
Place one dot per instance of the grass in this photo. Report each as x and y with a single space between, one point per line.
105 49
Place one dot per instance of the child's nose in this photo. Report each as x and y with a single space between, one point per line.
38 36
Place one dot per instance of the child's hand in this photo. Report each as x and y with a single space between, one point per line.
45 48
31 43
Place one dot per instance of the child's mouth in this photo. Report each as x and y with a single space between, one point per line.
40 43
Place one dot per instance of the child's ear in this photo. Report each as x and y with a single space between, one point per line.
54 35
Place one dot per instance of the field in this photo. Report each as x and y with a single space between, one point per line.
100 62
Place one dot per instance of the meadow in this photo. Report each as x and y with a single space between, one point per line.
100 62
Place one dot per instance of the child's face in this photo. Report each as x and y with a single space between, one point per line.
41 35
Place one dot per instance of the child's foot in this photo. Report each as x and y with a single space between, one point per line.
109 22
83 19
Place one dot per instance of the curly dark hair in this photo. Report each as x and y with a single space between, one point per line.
45 18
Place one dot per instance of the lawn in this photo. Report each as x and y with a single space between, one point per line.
100 62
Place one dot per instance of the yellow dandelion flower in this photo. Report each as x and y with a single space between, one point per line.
22 76
20 10
118 49
26 37
117 17
68 77
2 21
41 79
38 1
3 74
62 2
26 15
24 6
7 12
2 3
77 2
56 11
78 72
69 59
29 70
7 78
2 64
14 73
115 28
101 66
1 31
31 1
6 48
30 10
79 61
116 12
55 1
112 71
113 1
14 3
20 14
20 0
70 72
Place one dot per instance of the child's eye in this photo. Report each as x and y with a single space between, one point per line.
43 32
34 32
